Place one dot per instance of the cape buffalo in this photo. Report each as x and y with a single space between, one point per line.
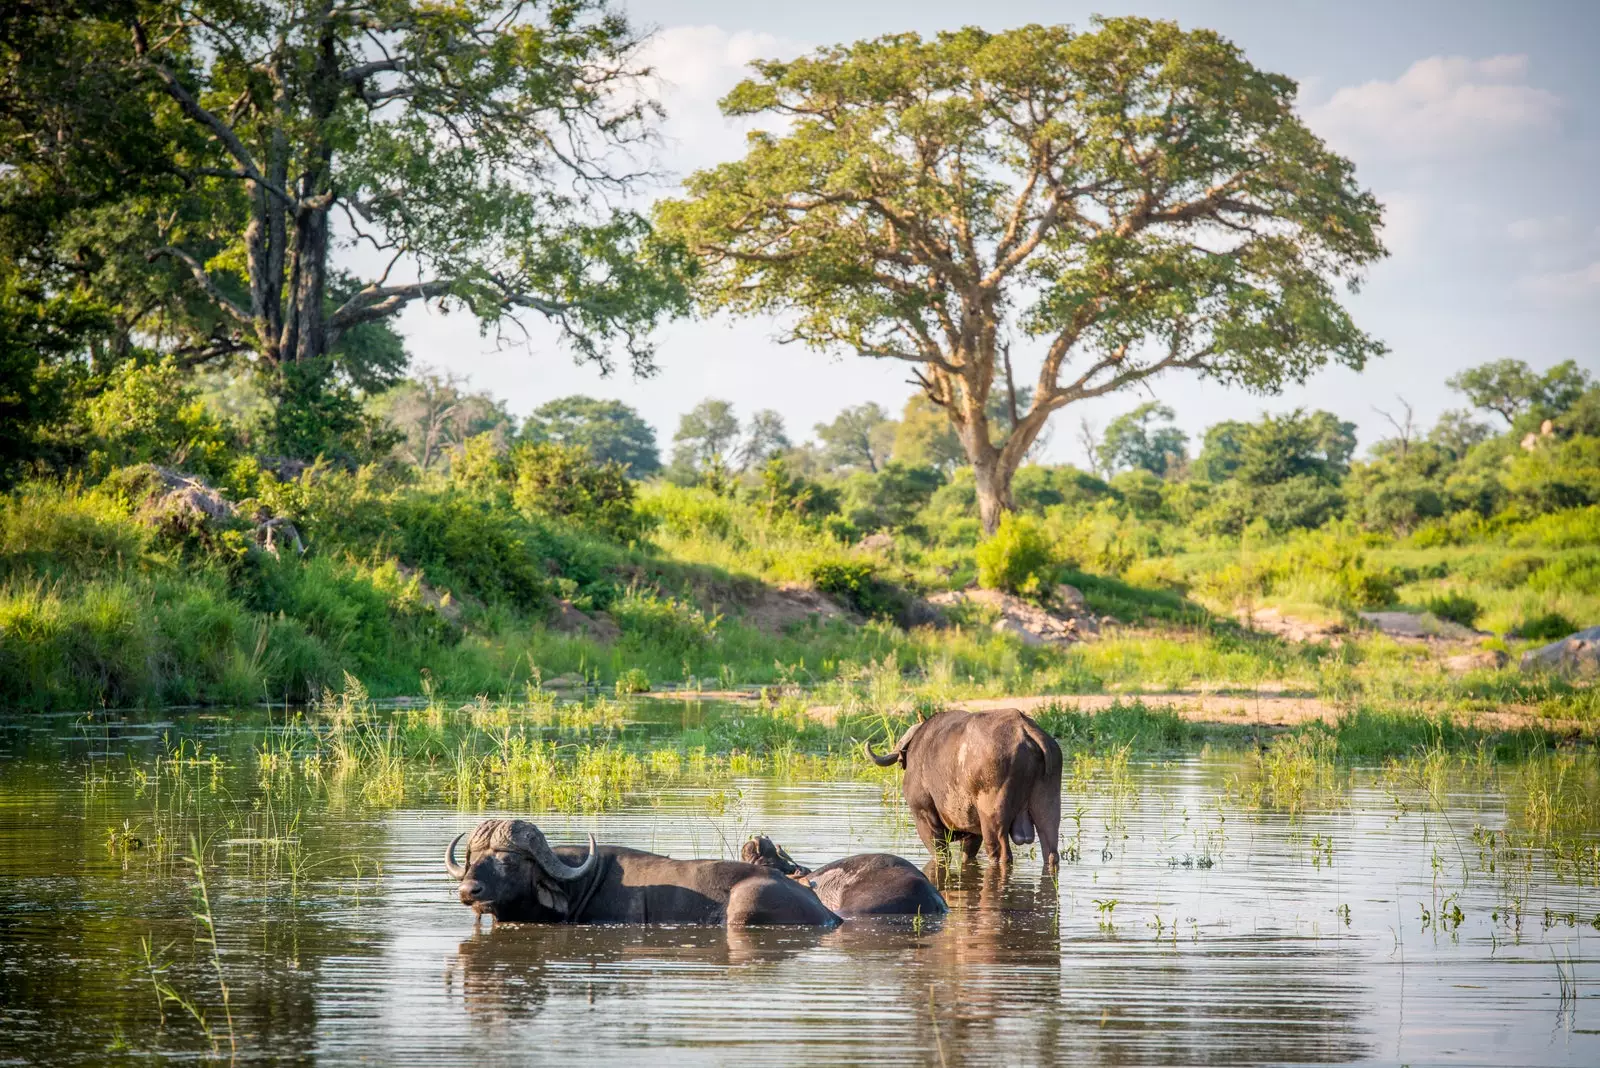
512 873
981 777
867 884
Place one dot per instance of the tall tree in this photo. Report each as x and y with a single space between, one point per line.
859 437
456 142
434 416
1510 388
764 437
1138 198
707 439
609 429
1133 440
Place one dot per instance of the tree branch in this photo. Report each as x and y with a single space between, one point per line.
218 297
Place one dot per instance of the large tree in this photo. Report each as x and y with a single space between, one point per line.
463 150
608 429
1134 199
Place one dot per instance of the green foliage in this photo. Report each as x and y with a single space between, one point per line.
1511 389
1549 627
1132 441
562 480
1018 558
610 430
861 437
1556 475
39 333
890 498
855 222
1455 607
634 680
150 414
664 625
854 582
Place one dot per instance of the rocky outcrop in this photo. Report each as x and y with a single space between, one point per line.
1477 660
1291 628
1070 621
569 619
1576 654
774 609
186 507
1419 626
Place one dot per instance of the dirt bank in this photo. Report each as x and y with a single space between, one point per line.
1248 709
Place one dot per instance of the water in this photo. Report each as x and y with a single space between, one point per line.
1187 931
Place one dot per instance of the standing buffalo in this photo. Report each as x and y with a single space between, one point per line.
512 873
981 777
867 884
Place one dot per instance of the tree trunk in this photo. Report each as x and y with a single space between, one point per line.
993 477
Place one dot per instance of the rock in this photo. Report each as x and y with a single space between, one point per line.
569 619
920 612
445 603
1021 619
1417 626
569 681
774 609
1290 628
1070 599
1576 654
1477 660
881 542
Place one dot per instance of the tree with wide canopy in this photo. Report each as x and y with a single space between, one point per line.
1135 199
466 153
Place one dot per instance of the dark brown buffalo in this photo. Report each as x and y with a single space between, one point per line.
981 778
511 873
867 884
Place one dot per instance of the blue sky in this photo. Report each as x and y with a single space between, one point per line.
1476 124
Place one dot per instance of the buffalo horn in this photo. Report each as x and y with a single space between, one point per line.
457 871
888 759
553 865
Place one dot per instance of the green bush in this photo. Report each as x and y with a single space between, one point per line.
634 680
662 625
562 481
1552 626
854 582
1018 558
1456 607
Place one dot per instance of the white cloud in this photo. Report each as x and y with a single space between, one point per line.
1560 287
1441 106
694 67
1404 216
1540 229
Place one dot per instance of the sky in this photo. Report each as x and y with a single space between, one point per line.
1474 123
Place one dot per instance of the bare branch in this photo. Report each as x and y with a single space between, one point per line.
218 297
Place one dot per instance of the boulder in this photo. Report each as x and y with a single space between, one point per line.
569 619
881 542
1576 654
1419 626
1477 660
1021 619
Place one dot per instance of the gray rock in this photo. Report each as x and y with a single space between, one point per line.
1576 654
1477 660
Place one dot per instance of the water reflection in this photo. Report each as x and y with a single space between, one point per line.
1189 932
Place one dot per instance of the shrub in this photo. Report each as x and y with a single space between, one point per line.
662 625
1580 571
855 582
1456 607
1018 557
1552 626
150 413
561 480
634 680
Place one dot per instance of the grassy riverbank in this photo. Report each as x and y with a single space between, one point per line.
107 600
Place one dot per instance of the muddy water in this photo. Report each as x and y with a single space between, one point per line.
1185 931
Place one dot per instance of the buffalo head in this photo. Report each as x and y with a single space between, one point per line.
766 853
511 873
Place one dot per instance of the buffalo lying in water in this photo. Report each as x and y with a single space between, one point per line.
513 874
867 884
981 778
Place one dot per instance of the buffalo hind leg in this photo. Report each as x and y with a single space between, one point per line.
1044 807
933 834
